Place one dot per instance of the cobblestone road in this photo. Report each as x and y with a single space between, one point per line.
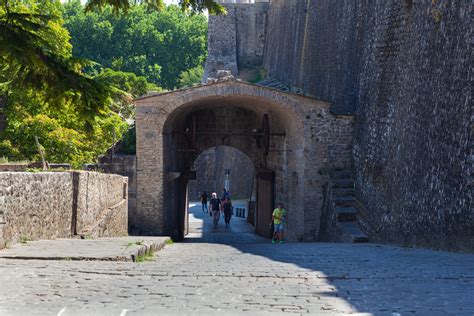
212 278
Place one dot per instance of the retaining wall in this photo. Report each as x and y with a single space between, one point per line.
49 205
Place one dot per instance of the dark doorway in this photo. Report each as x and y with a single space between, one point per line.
265 201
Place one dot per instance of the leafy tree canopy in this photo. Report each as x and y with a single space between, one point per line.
156 45
190 77
77 107
35 53
185 5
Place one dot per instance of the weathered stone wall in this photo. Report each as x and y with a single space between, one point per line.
405 67
124 165
413 148
101 197
315 46
236 40
221 46
35 205
250 34
210 168
50 205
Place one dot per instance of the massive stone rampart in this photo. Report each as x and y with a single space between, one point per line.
237 40
50 205
405 68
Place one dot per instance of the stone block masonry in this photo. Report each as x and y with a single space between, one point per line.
236 40
405 69
51 205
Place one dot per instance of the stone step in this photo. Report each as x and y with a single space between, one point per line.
344 200
342 174
352 229
342 191
343 183
345 214
130 248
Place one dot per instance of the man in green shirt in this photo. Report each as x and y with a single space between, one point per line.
278 218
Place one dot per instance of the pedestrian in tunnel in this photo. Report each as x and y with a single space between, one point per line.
278 219
204 197
225 194
215 205
227 206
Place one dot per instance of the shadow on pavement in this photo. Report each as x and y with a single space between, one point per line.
374 279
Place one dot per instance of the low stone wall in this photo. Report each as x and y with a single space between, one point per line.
50 205
35 205
126 166
100 198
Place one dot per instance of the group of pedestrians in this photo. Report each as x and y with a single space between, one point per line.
216 206
223 204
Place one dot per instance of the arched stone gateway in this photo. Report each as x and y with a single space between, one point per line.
292 141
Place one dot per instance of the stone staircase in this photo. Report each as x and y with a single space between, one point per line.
344 206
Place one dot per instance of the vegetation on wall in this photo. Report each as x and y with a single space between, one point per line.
69 77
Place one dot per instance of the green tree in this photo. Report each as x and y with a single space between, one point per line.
61 131
191 77
185 5
130 83
156 45
35 53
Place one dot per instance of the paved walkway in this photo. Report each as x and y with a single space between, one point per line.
201 229
200 277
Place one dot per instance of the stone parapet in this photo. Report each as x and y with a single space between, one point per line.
49 205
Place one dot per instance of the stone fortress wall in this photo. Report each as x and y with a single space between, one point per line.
403 68
210 173
236 41
49 205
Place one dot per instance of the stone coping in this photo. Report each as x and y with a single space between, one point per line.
128 248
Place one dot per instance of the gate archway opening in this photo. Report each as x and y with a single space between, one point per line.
217 168
291 140
241 122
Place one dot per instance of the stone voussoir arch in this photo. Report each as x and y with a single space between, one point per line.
289 137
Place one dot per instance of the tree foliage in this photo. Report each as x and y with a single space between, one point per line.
190 77
185 5
61 131
35 53
156 45
76 107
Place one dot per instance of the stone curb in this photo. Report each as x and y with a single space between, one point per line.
148 247
121 251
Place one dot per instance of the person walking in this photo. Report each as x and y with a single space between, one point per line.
225 194
278 219
204 197
227 206
216 205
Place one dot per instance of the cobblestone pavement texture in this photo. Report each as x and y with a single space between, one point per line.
245 276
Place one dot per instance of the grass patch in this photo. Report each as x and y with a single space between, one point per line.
24 239
149 256
170 241
34 170
131 243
